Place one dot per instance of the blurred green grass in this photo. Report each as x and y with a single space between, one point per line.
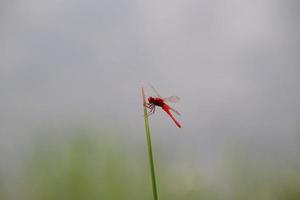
101 166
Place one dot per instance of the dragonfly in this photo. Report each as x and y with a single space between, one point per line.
159 101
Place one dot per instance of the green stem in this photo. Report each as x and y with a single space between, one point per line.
150 154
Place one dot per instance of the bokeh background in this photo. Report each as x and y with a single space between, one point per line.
71 119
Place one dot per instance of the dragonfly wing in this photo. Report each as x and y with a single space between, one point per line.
175 111
172 99
155 91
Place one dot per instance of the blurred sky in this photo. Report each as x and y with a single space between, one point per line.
235 65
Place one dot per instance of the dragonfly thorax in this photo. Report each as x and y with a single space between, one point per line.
156 101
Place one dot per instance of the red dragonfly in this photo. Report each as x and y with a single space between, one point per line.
161 102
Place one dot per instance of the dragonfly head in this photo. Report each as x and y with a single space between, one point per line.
150 99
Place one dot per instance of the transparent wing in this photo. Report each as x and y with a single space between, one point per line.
172 99
155 91
175 111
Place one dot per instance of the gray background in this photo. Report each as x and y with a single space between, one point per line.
235 65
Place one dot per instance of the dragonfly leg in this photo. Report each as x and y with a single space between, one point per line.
152 110
147 105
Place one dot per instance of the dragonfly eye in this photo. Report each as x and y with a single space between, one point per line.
150 99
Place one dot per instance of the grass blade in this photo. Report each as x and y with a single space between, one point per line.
149 145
